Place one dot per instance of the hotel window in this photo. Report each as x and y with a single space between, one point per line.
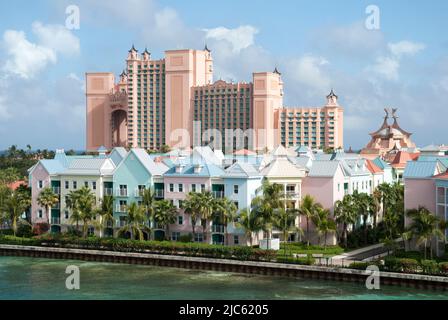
75 185
235 189
236 240
180 187
198 237
40 184
175 236
180 220
193 188
171 187
67 185
40 213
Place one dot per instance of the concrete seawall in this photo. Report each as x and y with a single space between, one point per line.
226 265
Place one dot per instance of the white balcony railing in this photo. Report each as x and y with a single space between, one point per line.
218 194
121 192
108 191
120 208
55 220
56 190
139 192
159 193
218 228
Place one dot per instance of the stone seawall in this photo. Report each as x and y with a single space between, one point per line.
226 265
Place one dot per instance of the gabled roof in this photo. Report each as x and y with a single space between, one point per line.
241 170
52 166
245 152
372 167
324 168
95 166
118 154
149 164
354 167
442 176
283 167
402 157
422 169
381 163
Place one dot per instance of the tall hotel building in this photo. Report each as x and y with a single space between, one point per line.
174 101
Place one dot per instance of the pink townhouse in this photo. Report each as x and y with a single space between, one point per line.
183 178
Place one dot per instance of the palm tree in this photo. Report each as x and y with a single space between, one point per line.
106 212
362 201
225 211
375 205
250 222
424 227
86 202
285 222
13 207
206 206
345 214
190 207
72 202
308 209
165 214
324 224
149 202
135 221
47 199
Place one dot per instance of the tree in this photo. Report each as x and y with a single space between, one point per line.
424 227
361 202
106 212
190 207
375 205
165 214
47 199
73 204
324 223
9 175
13 206
86 202
250 222
225 212
308 209
135 221
165 148
345 214
285 222
149 202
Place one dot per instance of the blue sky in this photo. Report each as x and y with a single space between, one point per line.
317 45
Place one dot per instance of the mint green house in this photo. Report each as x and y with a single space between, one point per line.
136 172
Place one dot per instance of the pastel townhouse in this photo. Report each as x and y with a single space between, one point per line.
135 173
425 184
242 183
185 177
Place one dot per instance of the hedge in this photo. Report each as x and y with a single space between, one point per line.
302 261
159 247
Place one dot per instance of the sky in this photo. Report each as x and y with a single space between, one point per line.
394 56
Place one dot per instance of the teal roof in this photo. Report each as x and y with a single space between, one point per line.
381 163
52 166
208 170
443 160
420 169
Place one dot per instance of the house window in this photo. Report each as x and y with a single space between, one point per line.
235 189
123 190
40 213
193 188
75 185
86 184
40 184
180 204
198 237
339 187
236 240
236 204
175 236
141 189
180 220
91 231
181 187
67 185
202 187
171 187
66 214
94 185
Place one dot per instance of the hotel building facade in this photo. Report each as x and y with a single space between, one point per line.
174 101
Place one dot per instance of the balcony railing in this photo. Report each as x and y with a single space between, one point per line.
218 228
108 191
55 220
139 192
159 193
218 194
122 192
120 208
56 206
56 190
121 223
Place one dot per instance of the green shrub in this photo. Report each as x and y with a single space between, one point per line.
430 266
302 261
359 265
443 266
408 265
186 238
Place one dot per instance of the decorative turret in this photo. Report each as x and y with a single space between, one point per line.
133 53
123 77
146 55
277 72
332 99
206 48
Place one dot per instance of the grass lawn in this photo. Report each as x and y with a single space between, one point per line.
301 248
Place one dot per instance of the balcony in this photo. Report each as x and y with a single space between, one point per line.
120 208
159 193
218 194
122 192
121 223
218 228
55 220
56 206
108 191
56 190
139 192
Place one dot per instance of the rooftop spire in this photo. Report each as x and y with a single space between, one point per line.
332 94
146 51
276 71
133 49
206 48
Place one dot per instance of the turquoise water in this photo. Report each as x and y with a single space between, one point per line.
32 278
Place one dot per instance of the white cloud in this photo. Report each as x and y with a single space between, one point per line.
404 47
26 59
240 38
385 67
56 37
308 71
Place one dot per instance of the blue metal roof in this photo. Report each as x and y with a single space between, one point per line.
208 170
420 169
